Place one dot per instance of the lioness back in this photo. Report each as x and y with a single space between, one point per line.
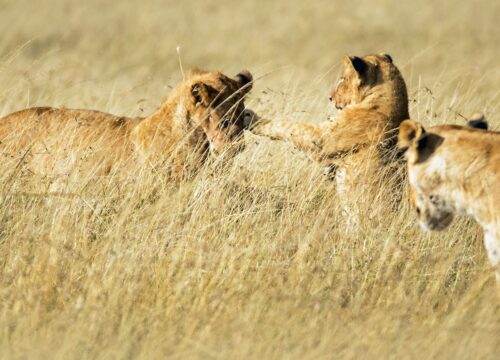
53 141
56 125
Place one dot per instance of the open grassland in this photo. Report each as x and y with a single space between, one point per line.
252 259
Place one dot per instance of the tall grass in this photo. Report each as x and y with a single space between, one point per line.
252 259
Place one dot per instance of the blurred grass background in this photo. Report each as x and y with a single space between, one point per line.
253 261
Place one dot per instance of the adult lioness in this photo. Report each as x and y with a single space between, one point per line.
360 143
203 113
455 170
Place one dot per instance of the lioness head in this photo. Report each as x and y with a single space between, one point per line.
371 77
426 174
433 169
216 106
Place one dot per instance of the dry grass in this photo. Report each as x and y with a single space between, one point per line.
252 260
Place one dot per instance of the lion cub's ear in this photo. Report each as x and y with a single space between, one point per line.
409 133
356 63
203 93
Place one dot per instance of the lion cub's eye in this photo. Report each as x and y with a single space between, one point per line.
433 198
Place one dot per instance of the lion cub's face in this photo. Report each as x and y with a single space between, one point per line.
426 172
218 108
358 77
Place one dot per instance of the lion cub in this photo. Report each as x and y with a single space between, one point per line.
455 170
359 145
204 113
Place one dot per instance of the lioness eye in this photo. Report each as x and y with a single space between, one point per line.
225 123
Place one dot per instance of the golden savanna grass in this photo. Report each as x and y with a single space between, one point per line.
250 259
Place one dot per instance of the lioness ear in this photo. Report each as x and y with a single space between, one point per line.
358 64
202 93
409 132
387 57
244 79
478 121
426 145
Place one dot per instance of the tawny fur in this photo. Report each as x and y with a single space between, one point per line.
204 112
360 143
455 170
